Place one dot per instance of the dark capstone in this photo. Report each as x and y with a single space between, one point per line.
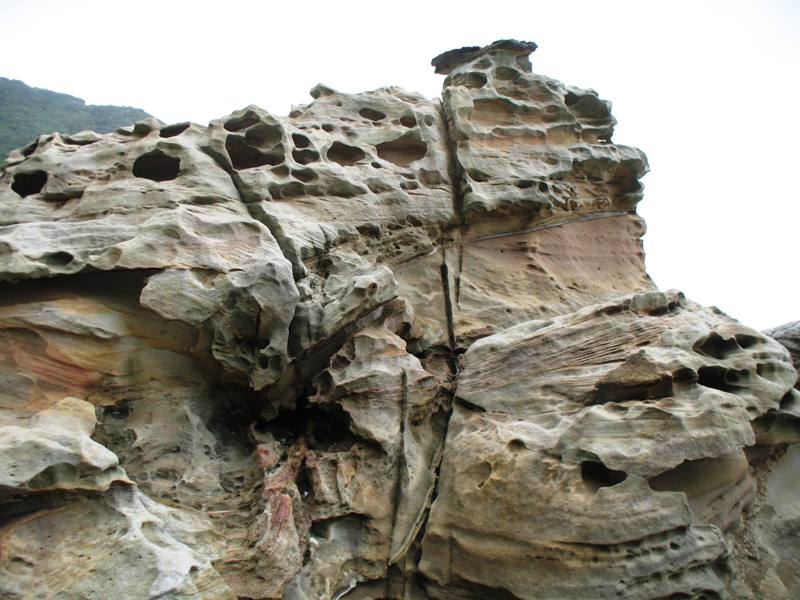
447 61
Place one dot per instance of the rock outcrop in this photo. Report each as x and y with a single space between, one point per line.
788 335
382 347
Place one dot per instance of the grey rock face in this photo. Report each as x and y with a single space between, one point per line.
788 335
382 347
780 519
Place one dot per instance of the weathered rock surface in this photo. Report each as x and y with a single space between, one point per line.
780 518
382 347
601 453
789 336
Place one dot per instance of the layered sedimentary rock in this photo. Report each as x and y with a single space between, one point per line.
601 453
382 347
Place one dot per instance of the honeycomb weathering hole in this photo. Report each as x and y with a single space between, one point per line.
472 80
570 99
300 141
402 151
345 155
173 130
263 134
596 475
716 346
242 122
304 157
157 166
587 106
371 114
722 379
57 259
30 148
26 184
245 156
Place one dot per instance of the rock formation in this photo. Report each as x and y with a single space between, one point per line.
384 347
788 335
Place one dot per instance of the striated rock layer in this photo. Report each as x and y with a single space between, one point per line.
383 347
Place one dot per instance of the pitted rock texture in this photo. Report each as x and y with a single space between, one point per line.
788 335
572 437
382 347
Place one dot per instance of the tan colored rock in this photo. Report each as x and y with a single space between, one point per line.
546 203
121 544
55 484
343 167
52 450
151 380
531 147
506 279
140 199
371 494
584 447
382 347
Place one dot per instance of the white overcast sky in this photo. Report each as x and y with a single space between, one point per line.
710 90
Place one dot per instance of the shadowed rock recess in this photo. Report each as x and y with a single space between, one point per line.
383 348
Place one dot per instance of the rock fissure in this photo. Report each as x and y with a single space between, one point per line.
448 306
457 179
400 462
259 216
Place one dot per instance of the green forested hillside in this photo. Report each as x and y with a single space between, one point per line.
26 113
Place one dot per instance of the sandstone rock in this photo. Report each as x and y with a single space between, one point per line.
55 481
382 347
572 436
53 450
545 200
789 336
138 200
121 544
779 517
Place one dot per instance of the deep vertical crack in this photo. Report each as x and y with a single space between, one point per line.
457 179
444 273
457 182
256 212
400 460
